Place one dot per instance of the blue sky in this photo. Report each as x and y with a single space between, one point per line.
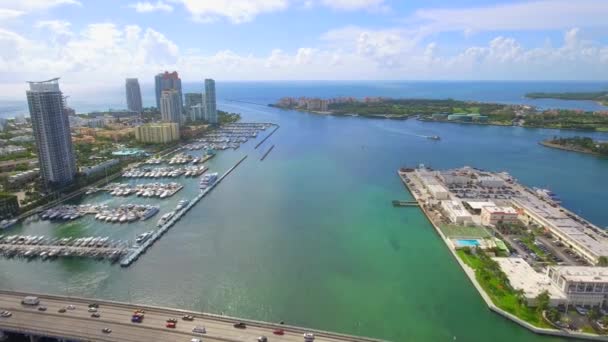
106 41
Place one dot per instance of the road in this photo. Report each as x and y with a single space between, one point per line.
78 323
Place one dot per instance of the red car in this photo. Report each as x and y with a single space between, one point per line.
279 332
170 325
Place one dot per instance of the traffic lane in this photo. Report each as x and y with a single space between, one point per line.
156 319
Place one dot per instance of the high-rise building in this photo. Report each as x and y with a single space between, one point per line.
166 81
197 112
52 132
133 93
157 133
192 99
210 105
170 109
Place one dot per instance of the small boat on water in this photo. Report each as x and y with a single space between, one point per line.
5 224
141 238
182 204
207 180
165 218
433 137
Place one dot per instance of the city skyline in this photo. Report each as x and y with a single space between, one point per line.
351 40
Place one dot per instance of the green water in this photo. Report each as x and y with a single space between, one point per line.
309 236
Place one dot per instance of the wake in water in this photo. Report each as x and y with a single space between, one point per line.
404 132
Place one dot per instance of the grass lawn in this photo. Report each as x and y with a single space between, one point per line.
496 285
462 231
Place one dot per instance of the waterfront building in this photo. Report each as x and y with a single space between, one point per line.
193 99
197 112
157 133
23 177
583 285
9 206
490 181
52 132
167 81
438 191
523 277
210 104
170 108
563 226
133 93
89 170
456 212
491 215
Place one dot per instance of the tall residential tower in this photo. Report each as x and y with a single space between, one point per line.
133 93
167 81
52 132
210 107
170 109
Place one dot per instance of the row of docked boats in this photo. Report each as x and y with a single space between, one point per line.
43 247
127 213
166 172
70 212
208 180
161 190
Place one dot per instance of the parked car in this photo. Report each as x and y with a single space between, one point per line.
581 310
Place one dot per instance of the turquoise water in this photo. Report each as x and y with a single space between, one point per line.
309 235
467 243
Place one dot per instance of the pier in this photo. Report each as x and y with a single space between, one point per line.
135 253
398 203
267 152
268 136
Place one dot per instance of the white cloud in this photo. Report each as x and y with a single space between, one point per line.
60 27
34 5
351 5
145 6
237 11
534 15
6 13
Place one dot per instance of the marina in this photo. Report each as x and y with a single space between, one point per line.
31 247
122 214
171 219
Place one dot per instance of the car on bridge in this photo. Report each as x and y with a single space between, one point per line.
171 325
30 300
240 325
199 330
106 330
6 314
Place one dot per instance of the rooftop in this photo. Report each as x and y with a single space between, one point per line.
583 273
523 277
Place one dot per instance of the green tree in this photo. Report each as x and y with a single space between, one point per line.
602 261
595 313
553 315
542 301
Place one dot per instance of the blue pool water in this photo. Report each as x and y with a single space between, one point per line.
467 243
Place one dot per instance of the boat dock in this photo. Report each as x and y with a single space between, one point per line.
268 136
267 152
39 246
134 253
398 203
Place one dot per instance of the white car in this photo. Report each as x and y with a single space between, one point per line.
92 309
195 340
199 330
309 337
70 307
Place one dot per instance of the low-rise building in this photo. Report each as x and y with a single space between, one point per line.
491 215
157 133
583 285
89 170
438 191
523 277
11 149
490 181
23 177
456 212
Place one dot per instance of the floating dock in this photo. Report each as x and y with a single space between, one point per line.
267 152
134 253
268 136
398 203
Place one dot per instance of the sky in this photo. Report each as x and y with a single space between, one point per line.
99 43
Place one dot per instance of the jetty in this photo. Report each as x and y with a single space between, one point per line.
267 152
135 253
268 136
398 203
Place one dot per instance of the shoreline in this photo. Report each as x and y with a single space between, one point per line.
470 273
567 148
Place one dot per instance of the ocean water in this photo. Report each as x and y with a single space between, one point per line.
309 235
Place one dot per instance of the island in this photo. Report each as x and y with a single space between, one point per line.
601 96
578 144
450 110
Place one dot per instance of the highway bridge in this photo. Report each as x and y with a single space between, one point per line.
78 325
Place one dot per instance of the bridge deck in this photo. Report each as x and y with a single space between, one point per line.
78 324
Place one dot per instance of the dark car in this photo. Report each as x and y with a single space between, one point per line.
106 330
262 339
62 310
172 320
42 308
95 315
94 305
239 325
188 318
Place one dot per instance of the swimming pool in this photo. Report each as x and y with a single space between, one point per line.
467 243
